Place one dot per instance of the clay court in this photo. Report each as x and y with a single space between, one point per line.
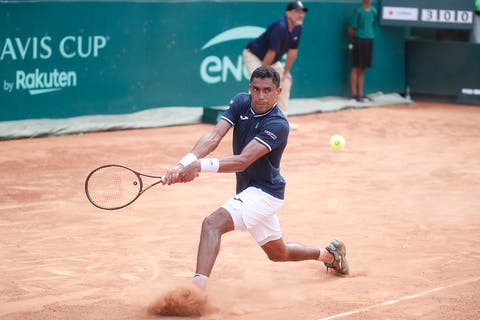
404 195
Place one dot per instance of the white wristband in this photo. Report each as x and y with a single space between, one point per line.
209 165
189 158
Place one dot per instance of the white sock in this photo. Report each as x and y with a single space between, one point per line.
325 256
200 281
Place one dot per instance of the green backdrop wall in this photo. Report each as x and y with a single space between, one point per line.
442 68
63 59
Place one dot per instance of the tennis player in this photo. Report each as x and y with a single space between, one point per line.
260 134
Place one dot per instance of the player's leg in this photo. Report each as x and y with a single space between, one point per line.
268 235
256 211
259 215
213 227
227 218
278 250
333 256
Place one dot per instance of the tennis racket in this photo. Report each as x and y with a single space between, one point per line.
114 186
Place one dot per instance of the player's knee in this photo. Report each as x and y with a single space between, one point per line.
212 224
208 224
219 221
277 256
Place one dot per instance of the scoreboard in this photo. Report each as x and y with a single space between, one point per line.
446 14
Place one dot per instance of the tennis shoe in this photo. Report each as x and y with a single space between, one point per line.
340 263
364 99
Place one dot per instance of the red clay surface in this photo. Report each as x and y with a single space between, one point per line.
404 196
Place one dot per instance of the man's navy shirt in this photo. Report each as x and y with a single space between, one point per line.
270 129
276 38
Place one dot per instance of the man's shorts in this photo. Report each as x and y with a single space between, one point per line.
256 211
252 62
362 53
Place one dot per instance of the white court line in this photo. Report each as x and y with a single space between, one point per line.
22 205
394 301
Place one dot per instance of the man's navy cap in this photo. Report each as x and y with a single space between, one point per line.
296 5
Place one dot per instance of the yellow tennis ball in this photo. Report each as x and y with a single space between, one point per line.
350 46
337 142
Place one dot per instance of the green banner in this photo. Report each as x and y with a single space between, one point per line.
63 59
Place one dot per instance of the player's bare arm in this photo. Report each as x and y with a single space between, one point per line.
203 147
235 163
209 141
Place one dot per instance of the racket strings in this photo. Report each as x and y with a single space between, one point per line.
113 187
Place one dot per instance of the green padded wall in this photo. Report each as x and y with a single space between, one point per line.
62 59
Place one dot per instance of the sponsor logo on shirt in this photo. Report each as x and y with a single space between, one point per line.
271 134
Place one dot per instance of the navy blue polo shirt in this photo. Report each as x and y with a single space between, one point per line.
270 129
276 38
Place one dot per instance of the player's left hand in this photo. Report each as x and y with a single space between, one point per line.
190 172
172 175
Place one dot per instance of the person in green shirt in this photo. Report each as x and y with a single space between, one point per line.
476 23
361 33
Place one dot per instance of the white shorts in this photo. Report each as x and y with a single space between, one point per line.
256 211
